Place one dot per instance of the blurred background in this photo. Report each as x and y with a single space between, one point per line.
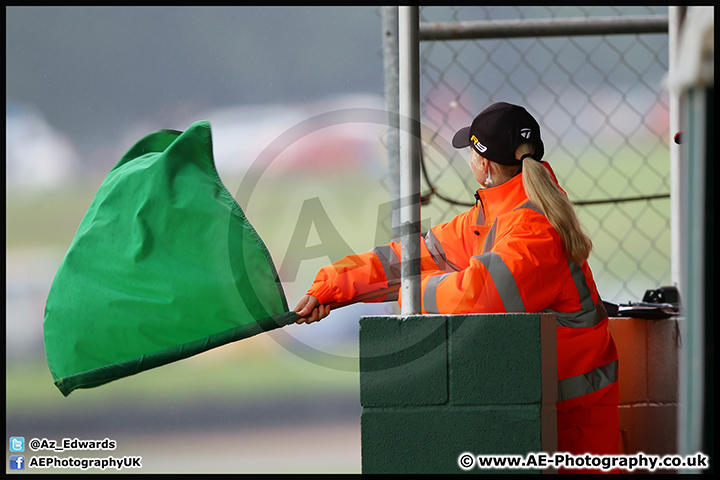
85 83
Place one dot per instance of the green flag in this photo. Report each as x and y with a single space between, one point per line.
164 265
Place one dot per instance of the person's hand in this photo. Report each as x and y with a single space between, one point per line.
309 310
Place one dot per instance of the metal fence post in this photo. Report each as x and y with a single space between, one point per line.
675 15
409 79
391 78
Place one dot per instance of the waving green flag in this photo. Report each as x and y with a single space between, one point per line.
164 265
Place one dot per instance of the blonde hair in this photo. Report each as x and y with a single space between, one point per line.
545 194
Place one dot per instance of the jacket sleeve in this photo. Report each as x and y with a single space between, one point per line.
441 250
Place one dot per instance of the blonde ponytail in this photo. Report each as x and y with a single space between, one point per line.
544 193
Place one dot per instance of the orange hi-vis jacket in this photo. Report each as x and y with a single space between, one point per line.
503 255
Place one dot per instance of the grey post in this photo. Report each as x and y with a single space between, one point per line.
409 48
390 69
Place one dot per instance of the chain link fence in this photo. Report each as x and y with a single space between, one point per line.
604 113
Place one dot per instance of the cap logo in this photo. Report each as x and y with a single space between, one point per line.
482 148
525 132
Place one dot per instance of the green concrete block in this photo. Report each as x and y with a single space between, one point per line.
403 360
502 359
430 439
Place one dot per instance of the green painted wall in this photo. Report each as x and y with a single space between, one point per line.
433 387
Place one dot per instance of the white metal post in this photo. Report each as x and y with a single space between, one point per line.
675 15
391 68
409 54
692 78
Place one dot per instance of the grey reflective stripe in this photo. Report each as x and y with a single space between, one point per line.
589 382
586 301
481 215
590 314
531 206
438 254
581 319
490 239
389 261
391 297
430 293
504 281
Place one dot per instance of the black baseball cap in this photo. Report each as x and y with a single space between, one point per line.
498 130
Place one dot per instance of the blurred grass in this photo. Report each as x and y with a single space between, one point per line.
51 217
237 373
46 218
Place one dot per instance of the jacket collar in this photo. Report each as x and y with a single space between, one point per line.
500 199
